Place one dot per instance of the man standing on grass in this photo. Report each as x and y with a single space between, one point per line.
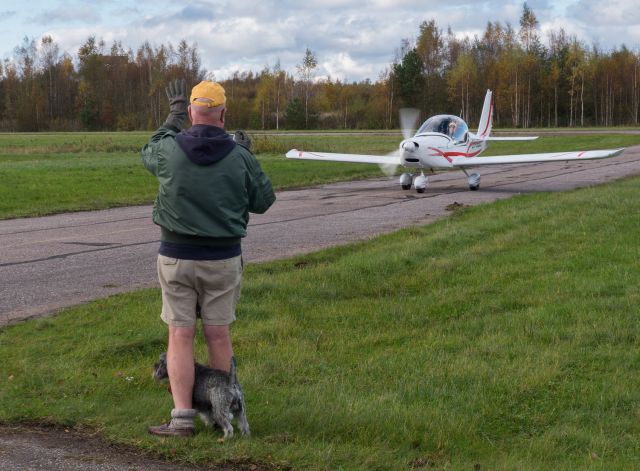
209 182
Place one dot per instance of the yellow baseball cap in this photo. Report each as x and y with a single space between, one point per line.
210 90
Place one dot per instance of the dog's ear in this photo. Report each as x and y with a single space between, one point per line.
232 371
163 356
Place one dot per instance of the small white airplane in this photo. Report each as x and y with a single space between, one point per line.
444 142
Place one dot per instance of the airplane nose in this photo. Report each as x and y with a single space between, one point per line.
410 146
409 156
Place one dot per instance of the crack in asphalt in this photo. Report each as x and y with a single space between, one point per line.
91 244
97 223
71 254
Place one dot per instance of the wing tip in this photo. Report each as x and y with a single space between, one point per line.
606 153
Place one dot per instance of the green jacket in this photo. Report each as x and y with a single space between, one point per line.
208 185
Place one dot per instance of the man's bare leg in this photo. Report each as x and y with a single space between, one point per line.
181 375
218 339
180 365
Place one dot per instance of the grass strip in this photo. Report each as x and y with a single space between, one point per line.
504 337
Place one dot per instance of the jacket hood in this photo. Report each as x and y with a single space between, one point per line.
205 145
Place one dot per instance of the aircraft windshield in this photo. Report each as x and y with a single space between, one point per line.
446 124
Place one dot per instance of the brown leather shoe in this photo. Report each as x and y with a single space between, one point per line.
169 430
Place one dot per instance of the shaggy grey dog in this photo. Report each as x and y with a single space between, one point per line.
217 395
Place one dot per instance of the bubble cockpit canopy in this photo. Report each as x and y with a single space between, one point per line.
446 124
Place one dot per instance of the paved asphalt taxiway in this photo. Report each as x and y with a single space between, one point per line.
49 263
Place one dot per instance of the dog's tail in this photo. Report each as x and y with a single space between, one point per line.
232 371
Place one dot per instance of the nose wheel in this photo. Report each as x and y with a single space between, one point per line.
420 183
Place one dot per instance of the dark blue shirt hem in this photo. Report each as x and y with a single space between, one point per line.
198 252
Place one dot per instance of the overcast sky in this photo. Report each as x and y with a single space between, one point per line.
352 40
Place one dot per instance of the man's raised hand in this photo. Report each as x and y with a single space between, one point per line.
177 94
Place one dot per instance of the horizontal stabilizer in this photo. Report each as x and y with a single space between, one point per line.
530 158
353 158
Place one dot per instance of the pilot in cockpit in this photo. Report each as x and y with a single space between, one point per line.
452 128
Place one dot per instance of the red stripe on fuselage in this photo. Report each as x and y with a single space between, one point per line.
462 154
448 155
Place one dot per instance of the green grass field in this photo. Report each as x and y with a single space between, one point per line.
505 337
57 172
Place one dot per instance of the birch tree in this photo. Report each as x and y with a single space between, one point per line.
306 71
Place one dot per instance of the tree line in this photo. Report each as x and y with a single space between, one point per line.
564 82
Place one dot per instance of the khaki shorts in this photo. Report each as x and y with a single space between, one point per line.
213 284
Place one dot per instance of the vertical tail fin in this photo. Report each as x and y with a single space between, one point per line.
486 118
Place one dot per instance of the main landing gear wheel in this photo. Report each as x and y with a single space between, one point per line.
474 181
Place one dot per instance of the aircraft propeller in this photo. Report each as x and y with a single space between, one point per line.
389 169
408 120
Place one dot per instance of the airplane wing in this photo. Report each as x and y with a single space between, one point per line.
462 162
354 158
511 138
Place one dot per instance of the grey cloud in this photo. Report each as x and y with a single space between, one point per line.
615 13
5 15
195 11
125 12
66 14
